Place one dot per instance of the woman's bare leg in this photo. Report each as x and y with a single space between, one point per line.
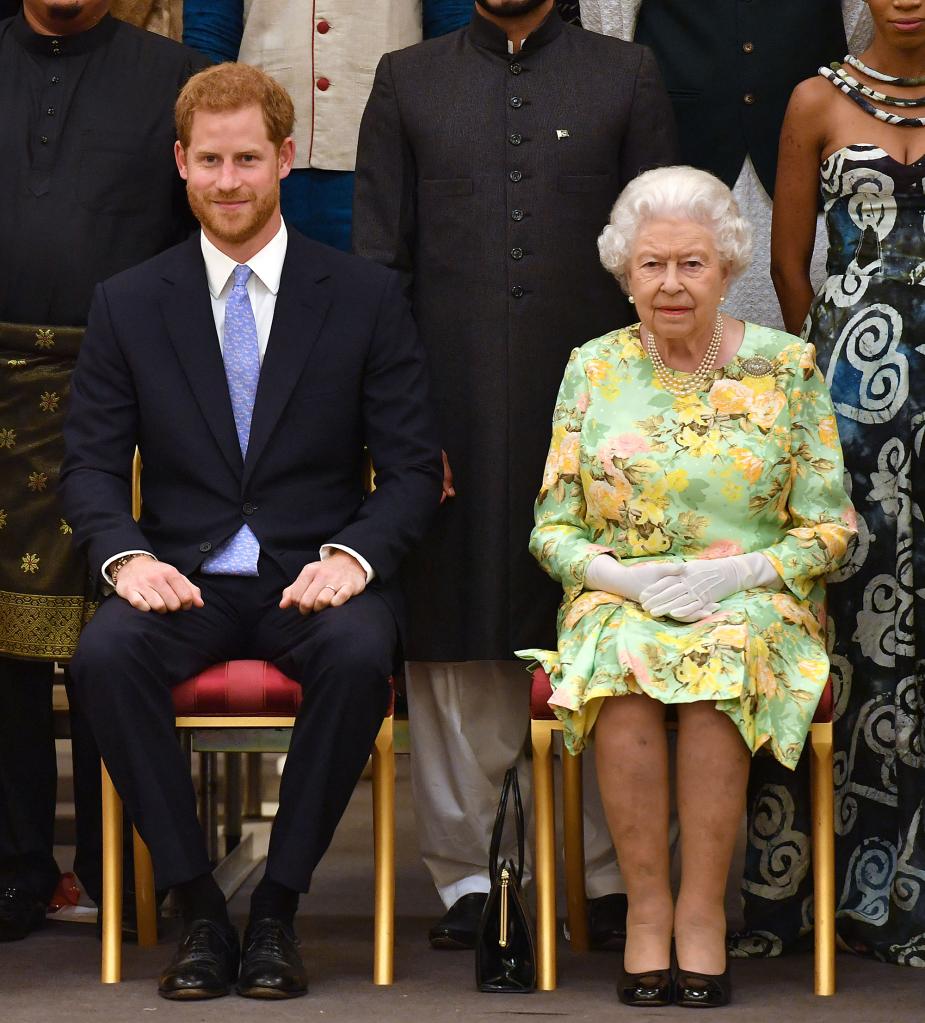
712 775
631 753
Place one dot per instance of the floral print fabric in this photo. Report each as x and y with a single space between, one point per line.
753 465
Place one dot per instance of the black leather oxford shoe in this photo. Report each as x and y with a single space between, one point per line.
21 912
205 964
270 963
458 926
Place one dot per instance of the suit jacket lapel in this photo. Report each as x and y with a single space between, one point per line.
191 329
301 306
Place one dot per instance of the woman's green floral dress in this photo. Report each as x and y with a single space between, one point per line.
753 465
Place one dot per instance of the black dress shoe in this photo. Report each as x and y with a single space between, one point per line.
205 964
607 922
458 926
702 990
270 963
652 988
21 912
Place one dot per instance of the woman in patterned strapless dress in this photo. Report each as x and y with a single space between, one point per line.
858 129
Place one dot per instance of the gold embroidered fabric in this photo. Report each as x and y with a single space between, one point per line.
43 582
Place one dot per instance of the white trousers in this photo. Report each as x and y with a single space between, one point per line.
468 723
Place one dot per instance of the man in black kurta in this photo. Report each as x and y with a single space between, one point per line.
487 167
88 187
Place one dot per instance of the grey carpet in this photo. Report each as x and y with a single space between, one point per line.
54 975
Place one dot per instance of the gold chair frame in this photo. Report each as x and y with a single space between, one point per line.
383 782
823 846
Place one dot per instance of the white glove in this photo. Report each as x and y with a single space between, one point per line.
709 582
606 573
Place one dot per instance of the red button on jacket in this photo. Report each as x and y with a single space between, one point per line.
323 84
324 26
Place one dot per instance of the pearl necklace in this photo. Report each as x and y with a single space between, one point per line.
697 380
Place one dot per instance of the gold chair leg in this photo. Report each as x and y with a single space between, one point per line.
145 899
823 808
545 865
384 852
111 972
574 843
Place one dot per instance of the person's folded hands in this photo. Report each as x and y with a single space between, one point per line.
629 581
708 582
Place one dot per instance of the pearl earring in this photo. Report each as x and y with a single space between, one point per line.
631 300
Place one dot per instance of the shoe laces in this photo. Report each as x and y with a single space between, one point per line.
199 942
271 936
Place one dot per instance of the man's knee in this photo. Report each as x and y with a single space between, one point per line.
105 652
357 647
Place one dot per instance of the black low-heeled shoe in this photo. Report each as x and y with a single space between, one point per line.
702 990
652 988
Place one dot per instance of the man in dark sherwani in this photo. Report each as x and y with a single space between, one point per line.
489 160
88 187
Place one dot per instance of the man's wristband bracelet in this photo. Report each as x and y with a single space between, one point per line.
116 567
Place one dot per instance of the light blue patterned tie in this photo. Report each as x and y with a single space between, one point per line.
239 554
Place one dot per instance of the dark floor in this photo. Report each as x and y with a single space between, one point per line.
54 975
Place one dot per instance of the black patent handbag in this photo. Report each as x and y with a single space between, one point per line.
505 950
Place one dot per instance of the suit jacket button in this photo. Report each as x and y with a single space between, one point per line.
249 508
517 291
205 547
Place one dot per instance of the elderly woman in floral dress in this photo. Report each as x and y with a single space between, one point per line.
691 507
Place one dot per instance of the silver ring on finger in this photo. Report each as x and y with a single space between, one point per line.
329 587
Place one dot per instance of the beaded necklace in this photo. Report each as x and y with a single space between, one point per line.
879 76
880 97
695 381
855 94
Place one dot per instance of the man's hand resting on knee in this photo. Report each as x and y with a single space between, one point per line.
150 585
327 583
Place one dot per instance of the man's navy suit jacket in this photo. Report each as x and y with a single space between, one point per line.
343 370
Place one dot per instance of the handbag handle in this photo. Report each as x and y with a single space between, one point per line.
511 784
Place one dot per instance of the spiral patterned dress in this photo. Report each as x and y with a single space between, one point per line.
868 325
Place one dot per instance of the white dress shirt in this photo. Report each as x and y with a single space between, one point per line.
262 289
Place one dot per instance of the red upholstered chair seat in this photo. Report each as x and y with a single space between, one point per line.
541 690
238 687
247 688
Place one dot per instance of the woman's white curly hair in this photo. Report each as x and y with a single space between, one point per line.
677 193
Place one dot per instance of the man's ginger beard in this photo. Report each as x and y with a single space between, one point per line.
236 228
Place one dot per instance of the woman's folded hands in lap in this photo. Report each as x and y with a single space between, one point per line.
698 588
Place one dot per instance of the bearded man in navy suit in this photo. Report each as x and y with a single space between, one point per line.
251 367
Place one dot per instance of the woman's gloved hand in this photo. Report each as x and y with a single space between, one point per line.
606 573
709 582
